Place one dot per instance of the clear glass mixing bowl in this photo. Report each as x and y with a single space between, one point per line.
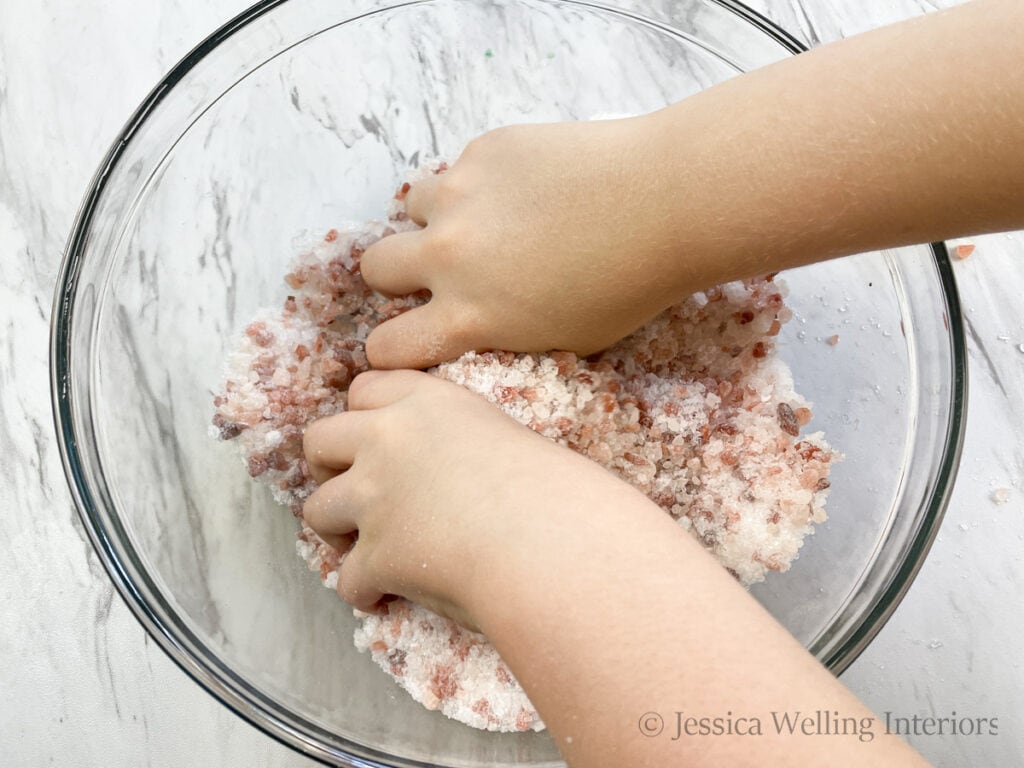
300 114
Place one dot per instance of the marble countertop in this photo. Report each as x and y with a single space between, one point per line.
83 683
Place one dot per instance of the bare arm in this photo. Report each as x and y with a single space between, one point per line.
907 134
603 607
571 235
624 620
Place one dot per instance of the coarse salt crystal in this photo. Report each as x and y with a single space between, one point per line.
688 413
964 250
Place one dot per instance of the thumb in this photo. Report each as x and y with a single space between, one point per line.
419 338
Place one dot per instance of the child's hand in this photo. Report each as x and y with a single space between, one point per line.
571 235
538 238
595 598
441 486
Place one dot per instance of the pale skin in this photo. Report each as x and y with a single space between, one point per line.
589 230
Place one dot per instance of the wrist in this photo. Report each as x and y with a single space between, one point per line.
572 525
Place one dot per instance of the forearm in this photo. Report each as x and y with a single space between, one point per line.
572 235
660 628
909 133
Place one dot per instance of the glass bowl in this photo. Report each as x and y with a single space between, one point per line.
302 114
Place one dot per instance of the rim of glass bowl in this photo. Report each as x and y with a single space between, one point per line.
190 653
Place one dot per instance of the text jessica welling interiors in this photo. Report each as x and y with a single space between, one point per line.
681 725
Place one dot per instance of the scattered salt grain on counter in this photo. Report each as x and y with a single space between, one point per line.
1001 495
695 409
964 250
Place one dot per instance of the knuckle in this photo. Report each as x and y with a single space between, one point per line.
312 437
485 143
376 256
348 487
474 148
355 579
347 589
361 386
368 264
312 511
450 190
377 349
381 432
446 245
412 380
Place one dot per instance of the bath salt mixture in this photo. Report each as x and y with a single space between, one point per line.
695 409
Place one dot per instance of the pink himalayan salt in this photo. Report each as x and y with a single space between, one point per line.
694 409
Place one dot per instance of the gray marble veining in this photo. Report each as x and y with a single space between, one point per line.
86 686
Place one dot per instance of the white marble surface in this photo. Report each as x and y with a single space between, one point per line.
82 683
